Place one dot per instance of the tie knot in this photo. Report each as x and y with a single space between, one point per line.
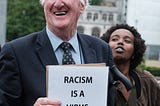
65 45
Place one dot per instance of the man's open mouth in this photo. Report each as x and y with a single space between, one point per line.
61 13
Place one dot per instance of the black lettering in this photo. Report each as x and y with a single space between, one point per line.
71 80
89 80
77 79
81 94
83 80
74 93
66 79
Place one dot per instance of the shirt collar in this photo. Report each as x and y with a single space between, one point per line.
56 41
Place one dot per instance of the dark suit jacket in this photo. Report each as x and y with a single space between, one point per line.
23 63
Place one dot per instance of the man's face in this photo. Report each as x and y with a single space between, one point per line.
62 13
122 43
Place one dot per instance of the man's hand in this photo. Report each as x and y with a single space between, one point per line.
47 102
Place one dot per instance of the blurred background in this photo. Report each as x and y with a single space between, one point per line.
21 17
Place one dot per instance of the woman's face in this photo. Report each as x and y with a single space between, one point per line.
122 44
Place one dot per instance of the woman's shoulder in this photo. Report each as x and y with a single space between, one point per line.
144 73
146 76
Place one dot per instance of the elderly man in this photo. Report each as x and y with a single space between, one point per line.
23 61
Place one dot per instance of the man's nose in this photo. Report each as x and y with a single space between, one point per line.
58 3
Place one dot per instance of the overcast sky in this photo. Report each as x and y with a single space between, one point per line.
145 15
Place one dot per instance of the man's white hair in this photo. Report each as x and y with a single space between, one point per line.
41 2
82 1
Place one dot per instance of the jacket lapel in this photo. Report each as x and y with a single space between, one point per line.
44 50
47 56
89 53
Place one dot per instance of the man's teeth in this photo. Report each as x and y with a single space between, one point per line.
60 13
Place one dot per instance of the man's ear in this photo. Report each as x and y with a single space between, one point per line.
82 6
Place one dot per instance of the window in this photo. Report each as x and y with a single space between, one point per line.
153 52
104 17
109 3
80 29
110 18
95 16
89 16
119 18
96 32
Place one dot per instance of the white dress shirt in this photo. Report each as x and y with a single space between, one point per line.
76 51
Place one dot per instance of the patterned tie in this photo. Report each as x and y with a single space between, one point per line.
67 56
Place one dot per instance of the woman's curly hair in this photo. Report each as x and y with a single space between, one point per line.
139 43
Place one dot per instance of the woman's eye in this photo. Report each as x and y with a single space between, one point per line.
114 39
128 41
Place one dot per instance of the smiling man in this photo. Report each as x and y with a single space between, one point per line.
23 61
62 16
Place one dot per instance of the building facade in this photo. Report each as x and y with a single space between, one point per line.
3 14
97 19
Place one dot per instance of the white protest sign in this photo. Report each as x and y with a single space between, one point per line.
78 85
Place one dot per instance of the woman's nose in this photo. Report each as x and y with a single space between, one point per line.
120 41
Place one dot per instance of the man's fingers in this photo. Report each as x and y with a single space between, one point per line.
47 101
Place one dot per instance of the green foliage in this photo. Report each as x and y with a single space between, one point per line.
24 17
153 70
95 2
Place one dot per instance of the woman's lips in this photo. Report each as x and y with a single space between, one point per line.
119 50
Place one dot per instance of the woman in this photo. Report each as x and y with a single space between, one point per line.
128 49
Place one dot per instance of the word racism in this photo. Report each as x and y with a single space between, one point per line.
77 79
77 93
